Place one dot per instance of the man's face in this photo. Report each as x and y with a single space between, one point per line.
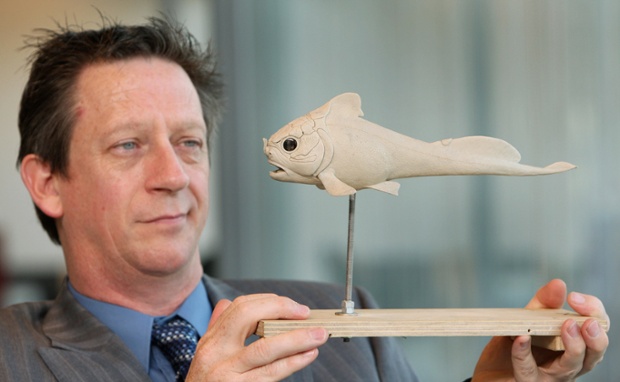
136 198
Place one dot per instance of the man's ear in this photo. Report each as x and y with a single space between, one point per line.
42 185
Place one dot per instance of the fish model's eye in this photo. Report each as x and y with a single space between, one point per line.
289 144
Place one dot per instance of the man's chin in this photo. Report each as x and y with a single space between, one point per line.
167 262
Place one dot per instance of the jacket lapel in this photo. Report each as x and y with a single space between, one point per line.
82 348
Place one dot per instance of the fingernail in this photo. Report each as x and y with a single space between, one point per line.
303 309
593 329
318 334
573 330
526 344
577 298
310 353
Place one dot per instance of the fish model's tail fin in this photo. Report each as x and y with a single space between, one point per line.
491 156
560 167
492 148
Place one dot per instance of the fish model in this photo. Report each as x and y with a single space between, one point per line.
335 149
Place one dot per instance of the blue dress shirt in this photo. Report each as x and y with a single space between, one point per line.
134 328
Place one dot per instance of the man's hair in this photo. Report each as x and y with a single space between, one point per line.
46 116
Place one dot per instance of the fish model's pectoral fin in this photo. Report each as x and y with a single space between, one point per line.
333 185
389 186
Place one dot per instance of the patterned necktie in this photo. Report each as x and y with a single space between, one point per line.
177 339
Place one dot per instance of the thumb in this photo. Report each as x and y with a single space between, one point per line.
220 307
523 362
550 296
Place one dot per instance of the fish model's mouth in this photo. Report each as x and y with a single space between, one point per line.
282 173
268 152
278 168
278 171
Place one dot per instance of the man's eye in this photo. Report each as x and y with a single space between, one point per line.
192 143
128 145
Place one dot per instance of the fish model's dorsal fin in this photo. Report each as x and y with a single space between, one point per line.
482 146
346 105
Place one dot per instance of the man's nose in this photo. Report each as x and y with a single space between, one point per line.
167 170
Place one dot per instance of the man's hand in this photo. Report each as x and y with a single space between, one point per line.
507 360
221 354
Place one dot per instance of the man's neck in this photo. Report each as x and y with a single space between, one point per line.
155 295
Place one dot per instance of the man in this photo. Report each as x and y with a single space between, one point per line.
115 126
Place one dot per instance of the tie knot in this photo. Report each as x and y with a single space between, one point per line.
177 340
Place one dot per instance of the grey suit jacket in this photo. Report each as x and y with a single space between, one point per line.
61 341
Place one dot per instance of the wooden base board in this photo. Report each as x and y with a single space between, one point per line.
543 324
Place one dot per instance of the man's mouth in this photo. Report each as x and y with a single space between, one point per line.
166 218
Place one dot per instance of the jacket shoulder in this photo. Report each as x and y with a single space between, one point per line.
25 318
21 330
317 295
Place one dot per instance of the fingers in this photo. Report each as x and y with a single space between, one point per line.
239 319
570 363
594 337
550 296
585 346
566 366
275 356
553 295
587 305
596 342
220 307
284 367
222 353
523 362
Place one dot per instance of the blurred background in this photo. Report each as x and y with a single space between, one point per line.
542 75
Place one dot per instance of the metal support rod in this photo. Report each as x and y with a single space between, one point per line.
348 306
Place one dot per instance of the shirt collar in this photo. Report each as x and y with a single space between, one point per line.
134 328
